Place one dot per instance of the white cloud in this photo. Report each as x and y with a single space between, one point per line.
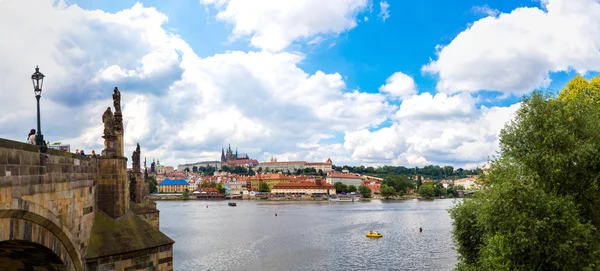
399 85
433 130
183 108
273 24
384 13
486 10
440 106
515 52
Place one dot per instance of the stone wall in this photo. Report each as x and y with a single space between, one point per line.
158 258
54 190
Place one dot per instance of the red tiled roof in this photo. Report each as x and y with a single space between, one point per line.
303 185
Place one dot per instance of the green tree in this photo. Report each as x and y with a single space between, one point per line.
225 168
152 184
364 191
340 187
186 194
387 191
426 190
352 188
419 181
515 225
194 169
260 170
263 187
251 172
538 207
399 183
187 169
220 188
321 173
439 190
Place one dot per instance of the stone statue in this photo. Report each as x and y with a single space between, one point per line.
109 134
109 122
117 100
135 159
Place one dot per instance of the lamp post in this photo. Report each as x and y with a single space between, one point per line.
37 79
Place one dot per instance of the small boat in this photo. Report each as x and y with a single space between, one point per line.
232 204
374 234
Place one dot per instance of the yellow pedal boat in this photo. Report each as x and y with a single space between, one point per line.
374 235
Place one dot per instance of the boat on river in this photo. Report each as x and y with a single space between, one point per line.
347 198
374 234
232 204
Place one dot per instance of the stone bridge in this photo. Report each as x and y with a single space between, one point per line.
62 211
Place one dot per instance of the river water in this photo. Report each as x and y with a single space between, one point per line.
309 235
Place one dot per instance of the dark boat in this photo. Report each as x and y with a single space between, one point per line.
232 204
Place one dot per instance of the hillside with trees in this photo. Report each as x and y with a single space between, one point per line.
433 172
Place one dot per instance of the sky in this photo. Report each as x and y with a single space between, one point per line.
363 82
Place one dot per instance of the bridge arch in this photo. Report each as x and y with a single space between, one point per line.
30 224
24 255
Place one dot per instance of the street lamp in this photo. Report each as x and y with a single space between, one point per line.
37 79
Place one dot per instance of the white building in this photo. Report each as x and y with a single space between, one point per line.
292 166
233 188
467 183
347 179
303 188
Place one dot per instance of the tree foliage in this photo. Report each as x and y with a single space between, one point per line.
387 191
152 184
340 187
364 191
538 208
399 183
426 190
352 188
433 172
263 187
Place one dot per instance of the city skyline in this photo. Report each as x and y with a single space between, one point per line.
362 82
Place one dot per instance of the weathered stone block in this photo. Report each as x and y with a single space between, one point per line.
13 157
14 170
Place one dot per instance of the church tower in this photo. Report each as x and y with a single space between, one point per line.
222 155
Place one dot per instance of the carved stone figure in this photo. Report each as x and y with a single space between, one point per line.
117 100
135 159
109 122
109 134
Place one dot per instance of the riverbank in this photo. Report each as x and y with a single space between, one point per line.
191 197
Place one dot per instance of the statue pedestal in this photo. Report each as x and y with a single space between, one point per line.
113 186
110 144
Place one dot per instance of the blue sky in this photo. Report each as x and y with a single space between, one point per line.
432 83
364 55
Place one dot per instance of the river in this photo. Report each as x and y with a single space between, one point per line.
309 235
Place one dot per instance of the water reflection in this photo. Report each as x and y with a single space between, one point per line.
309 235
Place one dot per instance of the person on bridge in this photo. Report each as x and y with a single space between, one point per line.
31 137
